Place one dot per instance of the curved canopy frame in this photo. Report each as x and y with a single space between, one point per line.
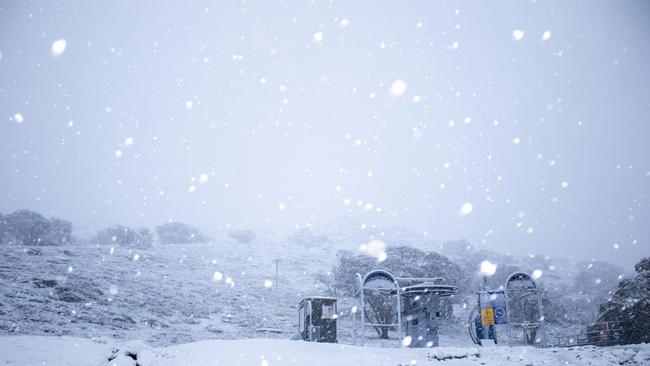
531 290
360 288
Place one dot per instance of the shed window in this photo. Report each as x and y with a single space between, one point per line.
329 311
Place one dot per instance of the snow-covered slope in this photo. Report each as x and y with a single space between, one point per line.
165 295
66 351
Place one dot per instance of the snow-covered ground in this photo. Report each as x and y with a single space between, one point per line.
67 351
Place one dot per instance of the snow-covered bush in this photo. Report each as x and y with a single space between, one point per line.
327 280
243 236
630 305
403 261
179 233
348 264
124 236
60 232
146 234
26 227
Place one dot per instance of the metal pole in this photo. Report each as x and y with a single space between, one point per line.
277 263
541 317
358 324
399 314
363 315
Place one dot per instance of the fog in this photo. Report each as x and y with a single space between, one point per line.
520 126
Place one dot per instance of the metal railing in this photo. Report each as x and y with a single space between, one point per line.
598 334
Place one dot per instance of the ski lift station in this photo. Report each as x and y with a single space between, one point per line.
409 310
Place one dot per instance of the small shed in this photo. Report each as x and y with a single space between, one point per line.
317 319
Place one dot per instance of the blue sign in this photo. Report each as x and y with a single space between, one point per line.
498 302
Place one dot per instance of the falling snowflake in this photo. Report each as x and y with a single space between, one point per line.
546 36
128 141
517 34
406 341
268 283
417 133
318 37
19 118
344 23
466 208
537 274
398 88
58 47
217 276
203 178
375 248
487 268
229 281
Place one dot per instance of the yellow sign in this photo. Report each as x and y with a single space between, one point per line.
487 316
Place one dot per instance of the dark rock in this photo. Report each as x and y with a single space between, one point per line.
39 283
33 251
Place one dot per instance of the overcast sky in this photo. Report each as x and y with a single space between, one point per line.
522 126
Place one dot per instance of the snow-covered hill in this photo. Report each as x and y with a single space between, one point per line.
173 294
165 295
